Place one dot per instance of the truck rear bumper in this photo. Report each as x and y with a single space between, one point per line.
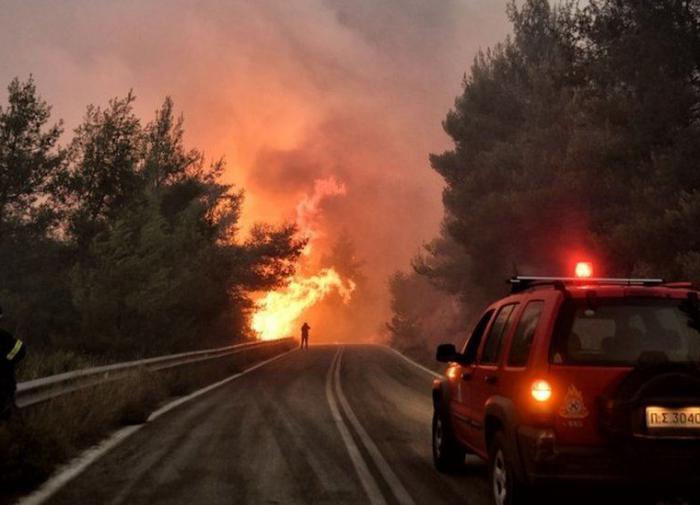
652 462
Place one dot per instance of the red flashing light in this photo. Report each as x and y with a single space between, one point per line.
584 269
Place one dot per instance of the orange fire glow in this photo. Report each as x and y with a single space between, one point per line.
278 311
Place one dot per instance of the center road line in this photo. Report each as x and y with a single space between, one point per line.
368 483
397 488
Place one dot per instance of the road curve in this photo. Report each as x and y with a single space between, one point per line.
335 425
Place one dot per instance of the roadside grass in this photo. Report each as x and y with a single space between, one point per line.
42 436
42 364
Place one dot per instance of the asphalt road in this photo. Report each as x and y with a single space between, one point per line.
340 425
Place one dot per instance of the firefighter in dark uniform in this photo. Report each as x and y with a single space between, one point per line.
12 351
305 335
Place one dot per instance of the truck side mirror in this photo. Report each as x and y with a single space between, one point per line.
446 353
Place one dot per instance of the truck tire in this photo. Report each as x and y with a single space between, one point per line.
506 487
448 454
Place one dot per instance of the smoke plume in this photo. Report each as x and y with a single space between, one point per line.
350 92
309 210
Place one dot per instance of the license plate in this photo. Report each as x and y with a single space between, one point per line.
662 417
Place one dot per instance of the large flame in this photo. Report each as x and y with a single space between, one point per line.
278 311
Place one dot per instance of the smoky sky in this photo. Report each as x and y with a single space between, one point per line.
287 91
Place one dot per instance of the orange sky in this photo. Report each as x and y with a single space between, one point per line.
288 91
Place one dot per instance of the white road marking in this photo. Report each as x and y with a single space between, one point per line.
77 465
418 365
368 483
176 403
397 488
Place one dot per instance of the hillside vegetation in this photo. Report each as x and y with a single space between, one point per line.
118 241
577 137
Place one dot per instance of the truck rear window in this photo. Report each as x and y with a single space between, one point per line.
626 331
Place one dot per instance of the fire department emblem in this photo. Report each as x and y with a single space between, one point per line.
573 406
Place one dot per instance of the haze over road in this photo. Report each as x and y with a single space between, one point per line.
329 425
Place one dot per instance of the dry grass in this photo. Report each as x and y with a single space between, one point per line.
42 436
42 364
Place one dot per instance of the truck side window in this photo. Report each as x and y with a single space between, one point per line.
494 341
524 334
472 346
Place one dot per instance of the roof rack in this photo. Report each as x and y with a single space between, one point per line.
520 283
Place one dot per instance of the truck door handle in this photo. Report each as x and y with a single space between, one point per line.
490 379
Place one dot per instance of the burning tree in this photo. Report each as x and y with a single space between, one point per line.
279 312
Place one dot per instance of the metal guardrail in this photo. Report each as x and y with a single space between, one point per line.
46 388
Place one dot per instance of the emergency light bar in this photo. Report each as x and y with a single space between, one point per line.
520 283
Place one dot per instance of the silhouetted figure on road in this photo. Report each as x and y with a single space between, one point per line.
305 336
12 351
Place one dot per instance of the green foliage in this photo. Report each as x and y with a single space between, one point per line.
104 172
166 160
645 107
578 136
32 283
29 155
268 258
125 242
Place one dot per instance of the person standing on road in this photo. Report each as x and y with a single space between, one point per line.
12 351
305 335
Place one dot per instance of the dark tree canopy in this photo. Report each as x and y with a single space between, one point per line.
578 136
29 155
126 241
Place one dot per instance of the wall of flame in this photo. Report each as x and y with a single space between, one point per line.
280 312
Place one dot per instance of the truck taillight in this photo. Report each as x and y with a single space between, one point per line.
541 390
584 270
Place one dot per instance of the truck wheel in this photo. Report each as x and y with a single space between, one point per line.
506 488
448 454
